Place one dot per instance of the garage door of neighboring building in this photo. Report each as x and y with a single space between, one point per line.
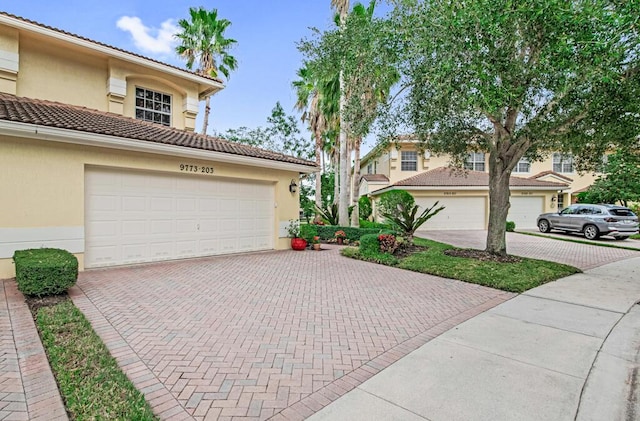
460 213
524 210
135 216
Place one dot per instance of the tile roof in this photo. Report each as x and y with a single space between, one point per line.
446 177
553 173
32 22
70 117
375 178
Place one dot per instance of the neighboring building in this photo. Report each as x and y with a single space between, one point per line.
98 156
536 187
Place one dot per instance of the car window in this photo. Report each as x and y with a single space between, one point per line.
584 210
621 212
568 211
596 211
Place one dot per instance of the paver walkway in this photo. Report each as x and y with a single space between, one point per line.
268 335
583 256
28 390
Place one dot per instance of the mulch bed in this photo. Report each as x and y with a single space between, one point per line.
482 256
407 251
36 303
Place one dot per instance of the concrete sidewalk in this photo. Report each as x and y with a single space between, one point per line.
563 351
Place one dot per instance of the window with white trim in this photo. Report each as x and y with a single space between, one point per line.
153 106
409 161
522 166
475 161
562 163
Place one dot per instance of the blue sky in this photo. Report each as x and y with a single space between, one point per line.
266 31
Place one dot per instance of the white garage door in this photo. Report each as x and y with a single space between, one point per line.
460 213
133 217
524 210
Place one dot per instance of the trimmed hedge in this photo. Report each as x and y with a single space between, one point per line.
369 244
45 271
377 225
327 232
511 226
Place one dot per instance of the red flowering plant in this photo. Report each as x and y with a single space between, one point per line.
340 234
388 243
316 239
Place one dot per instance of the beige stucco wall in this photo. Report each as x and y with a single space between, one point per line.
43 183
57 71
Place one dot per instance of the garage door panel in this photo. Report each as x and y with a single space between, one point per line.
460 213
524 210
133 216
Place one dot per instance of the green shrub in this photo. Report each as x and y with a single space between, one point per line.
377 225
369 244
327 232
41 272
511 226
364 207
390 201
308 232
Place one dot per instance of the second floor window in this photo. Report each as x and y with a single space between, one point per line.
153 106
475 161
522 166
409 161
562 163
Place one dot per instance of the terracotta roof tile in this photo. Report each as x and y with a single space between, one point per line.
64 116
446 177
32 22
549 172
375 177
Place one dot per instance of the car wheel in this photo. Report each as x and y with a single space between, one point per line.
591 232
544 226
620 238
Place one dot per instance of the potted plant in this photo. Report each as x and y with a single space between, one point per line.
293 229
340 236
316 242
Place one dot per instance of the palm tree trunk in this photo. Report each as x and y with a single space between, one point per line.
355 215
207 110
319 173
343 204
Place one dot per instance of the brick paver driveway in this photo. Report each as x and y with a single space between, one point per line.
583 256
268 335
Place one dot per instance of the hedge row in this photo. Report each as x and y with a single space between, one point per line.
327 232
45 271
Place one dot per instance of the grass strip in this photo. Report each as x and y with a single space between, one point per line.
512 277
576 240
635 236
90 381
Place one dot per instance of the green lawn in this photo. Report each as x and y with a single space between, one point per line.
636 237
512 277
91 383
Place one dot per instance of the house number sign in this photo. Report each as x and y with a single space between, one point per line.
196 169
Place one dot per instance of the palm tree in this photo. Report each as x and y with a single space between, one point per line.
202 40
342 7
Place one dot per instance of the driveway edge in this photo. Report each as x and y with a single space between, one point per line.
163 403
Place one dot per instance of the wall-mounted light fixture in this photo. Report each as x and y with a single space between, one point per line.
293 187
553 199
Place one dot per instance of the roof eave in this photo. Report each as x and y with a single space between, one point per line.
465 188
37 132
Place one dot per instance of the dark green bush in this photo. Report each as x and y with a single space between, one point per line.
511 226
308 232
369 244
364 207
390 201
377 225
327 232
41 272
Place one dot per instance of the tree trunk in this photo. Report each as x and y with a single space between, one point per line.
343 200
319 173
336 180
207 110
355 215
498 206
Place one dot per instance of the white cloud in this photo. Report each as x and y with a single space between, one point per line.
150 40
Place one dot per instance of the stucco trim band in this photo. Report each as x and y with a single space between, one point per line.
68 238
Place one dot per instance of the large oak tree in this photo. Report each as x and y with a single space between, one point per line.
515 78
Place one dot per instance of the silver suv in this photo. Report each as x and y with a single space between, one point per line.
592 220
